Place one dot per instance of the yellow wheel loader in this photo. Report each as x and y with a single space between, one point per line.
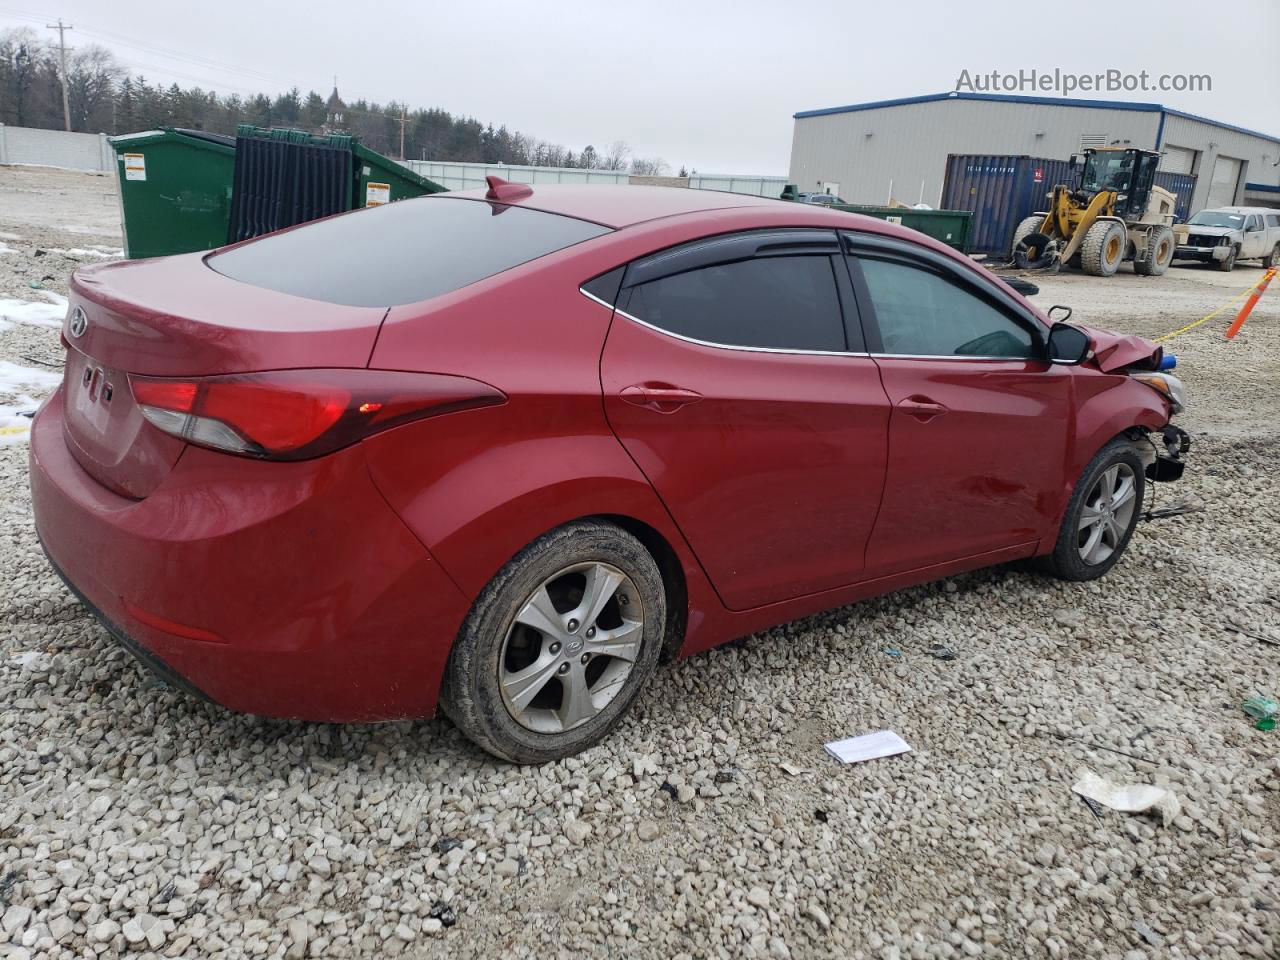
1117 213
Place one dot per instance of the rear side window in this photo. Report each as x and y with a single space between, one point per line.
401 252
1273 219
782 303
920 313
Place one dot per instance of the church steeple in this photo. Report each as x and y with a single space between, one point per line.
335 111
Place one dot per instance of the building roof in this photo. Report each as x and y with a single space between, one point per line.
335 103
1050 101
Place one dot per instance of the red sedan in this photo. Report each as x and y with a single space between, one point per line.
500 452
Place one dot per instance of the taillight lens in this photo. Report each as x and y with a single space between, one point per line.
299 414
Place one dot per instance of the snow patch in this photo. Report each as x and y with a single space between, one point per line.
16 383
105 252
49 314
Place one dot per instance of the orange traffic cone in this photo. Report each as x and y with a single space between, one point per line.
1243 315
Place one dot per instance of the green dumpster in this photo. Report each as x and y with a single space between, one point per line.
380 180
175 190
187 190
951 227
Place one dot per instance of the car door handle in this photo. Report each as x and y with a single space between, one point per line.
922 408
660 397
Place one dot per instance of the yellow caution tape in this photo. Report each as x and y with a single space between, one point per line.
9 431
1209 316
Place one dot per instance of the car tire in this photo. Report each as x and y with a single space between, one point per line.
1229 263
1158 254
1103 248
531 694
1272 258
1076 555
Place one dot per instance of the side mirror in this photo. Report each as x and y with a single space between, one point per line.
1067 344
1075 161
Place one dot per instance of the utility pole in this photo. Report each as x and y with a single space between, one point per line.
62 56
402 123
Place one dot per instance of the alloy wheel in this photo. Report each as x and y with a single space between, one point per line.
1106 513
570 647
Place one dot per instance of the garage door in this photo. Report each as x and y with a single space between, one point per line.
1226 174
1177 159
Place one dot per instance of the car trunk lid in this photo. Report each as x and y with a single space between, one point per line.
177 318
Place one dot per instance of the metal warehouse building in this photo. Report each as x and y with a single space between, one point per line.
871 152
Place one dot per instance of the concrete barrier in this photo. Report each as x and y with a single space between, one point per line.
56 148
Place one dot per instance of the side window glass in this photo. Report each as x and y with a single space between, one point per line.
783 303
921 313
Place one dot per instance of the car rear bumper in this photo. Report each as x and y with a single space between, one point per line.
1205 254
281 589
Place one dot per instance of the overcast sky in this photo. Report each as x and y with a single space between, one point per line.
711 85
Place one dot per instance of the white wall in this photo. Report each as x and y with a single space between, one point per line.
56 148
456 175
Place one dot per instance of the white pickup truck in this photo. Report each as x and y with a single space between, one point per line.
1227 234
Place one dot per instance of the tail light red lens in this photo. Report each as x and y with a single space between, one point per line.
299 414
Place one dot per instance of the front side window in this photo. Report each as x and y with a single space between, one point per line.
922 313
776 302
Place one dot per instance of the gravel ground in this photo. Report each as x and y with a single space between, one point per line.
136 821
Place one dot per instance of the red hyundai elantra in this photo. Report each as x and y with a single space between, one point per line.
502 451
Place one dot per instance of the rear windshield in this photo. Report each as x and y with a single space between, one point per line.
402 252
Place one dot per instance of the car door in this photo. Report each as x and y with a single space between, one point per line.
978 432
730 377
1255 238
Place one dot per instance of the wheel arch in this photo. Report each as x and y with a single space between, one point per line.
673 576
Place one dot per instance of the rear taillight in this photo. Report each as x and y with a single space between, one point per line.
298 414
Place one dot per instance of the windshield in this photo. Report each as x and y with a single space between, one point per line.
1217 218
1110 170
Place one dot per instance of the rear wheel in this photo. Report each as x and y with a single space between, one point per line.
558 645
1272 258
1158 254
1103 248
1101 515
1228 264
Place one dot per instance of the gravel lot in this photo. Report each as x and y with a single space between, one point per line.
136 821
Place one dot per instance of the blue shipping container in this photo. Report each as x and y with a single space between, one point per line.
1002 189
1181 184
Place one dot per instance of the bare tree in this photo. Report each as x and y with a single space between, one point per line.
23 58
615 158
93 73
649 167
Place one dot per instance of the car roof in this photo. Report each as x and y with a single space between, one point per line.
1241 210
622 205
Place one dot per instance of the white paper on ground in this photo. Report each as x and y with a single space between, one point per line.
869 746
1129 798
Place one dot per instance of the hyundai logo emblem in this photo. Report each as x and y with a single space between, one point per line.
79 323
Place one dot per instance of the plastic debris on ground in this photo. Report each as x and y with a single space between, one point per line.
940 651
1262 711
1129 797
869 746
891 652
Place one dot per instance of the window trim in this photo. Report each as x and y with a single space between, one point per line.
930 261
733 248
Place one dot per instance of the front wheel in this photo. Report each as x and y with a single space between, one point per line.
1228 264
558 645
1101 515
